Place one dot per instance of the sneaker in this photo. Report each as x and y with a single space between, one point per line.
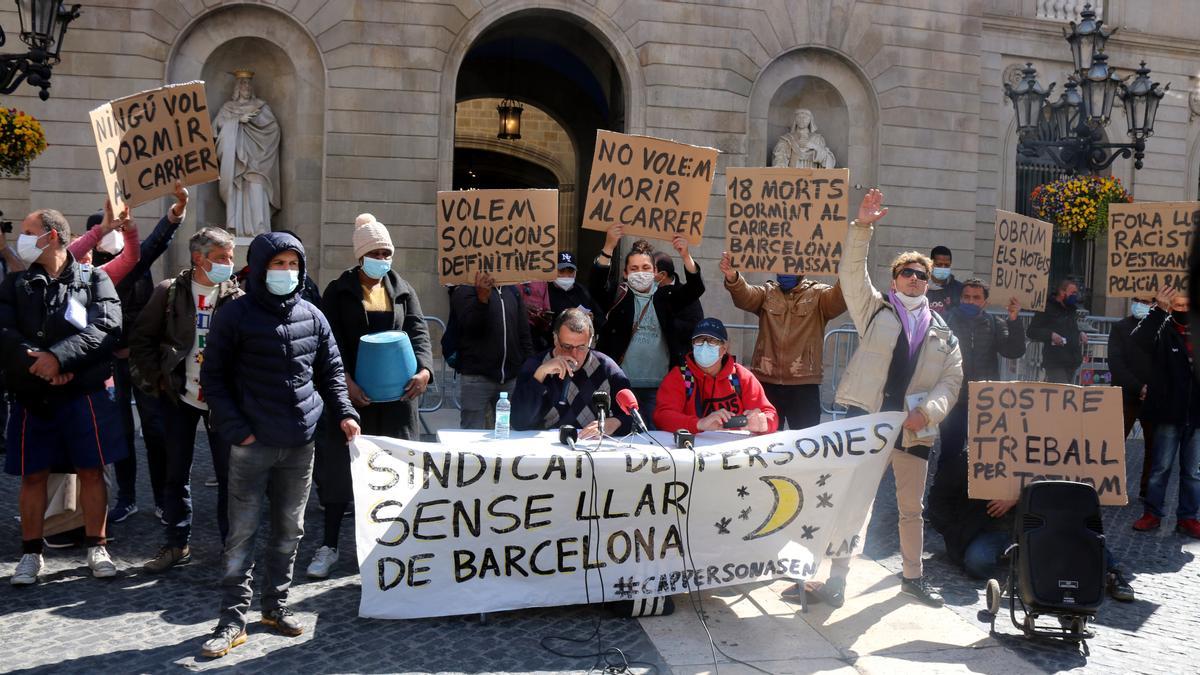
168 557
920 589
1189 526
223 639
28 570
283 621
1118 588
102 565
121 511
322 562
1147 522
68 539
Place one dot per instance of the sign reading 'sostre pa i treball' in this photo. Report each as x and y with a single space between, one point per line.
446 529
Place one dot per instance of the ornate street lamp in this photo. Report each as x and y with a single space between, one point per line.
510 119
43 28
1071 132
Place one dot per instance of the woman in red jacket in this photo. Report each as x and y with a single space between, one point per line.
710 389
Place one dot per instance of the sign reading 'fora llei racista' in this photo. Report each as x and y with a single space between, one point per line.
458 528
248 152
802 147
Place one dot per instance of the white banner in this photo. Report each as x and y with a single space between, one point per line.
447 529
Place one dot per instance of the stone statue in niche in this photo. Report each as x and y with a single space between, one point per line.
803 147
248 154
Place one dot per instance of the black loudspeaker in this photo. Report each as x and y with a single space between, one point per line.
1060 567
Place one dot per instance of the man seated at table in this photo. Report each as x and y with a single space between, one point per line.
555 387
709 389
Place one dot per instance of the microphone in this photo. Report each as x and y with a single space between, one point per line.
629 405
600 402
567 435
685 439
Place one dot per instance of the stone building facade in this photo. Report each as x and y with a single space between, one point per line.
907 93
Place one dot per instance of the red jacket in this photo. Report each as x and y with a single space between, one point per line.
675 407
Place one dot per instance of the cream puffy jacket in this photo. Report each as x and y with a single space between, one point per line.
939 362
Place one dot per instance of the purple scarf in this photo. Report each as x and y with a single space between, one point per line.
923 318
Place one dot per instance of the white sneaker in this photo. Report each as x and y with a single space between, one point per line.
322 562
28 570
102 565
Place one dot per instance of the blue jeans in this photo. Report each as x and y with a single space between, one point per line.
180 420
982 557
284 475
1171 441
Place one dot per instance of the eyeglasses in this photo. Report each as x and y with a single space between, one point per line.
574 349
712 341
910 272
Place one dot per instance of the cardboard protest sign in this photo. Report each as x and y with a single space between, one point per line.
786 221
482 526
1148 247
148 141
1021 260
1021 432
510 234
655 188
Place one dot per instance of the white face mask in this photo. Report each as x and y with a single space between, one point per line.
640 281
910 303
112 243
28 249
565 283
1139 310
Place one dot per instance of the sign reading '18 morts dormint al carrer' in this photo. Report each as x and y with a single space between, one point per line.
510 234
1021 260
786 221
1022 432
1148 247
654 188
149 140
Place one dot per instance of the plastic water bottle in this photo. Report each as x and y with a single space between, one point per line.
503 409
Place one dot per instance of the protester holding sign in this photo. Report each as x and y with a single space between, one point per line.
555 387
1058 331
907 360
493 344
367 298
710 391
1132 370
1174 401
566 291
789 351
633 335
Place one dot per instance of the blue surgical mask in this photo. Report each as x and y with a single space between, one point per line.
941 273
282 282
706 355
219 273
970 311
1139 310
376 268
787 281
1072 300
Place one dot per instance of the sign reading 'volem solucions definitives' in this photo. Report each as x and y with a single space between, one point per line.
510 234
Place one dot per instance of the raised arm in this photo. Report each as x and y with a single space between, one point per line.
861 296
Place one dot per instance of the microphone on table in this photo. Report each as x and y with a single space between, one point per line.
600 402
629 405
685 439
567 435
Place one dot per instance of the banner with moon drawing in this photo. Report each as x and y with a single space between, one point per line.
460 528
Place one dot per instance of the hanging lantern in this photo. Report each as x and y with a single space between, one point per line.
1141 98
1028 98
510 119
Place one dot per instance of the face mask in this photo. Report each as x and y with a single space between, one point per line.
706 355
376 268
970 311
112 243
640 281
282 282
219 273
787 281
941 273
1180 318
27 247
910 303
1139 310
1072 300
565 283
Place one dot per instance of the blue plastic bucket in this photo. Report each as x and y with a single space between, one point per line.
386 363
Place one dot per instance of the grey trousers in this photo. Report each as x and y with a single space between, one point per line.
478 396
284 476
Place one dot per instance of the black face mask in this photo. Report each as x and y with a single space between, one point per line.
1180 318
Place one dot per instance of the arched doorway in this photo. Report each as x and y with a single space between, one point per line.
555 64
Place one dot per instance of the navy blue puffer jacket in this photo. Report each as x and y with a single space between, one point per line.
270 359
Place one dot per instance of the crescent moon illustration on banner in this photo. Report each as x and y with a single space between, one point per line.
789 500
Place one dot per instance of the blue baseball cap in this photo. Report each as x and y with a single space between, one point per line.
710 327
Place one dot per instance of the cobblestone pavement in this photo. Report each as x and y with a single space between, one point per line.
1154 634
72 623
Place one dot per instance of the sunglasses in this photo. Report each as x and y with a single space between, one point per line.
910 272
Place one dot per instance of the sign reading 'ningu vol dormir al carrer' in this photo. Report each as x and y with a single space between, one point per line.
447 529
